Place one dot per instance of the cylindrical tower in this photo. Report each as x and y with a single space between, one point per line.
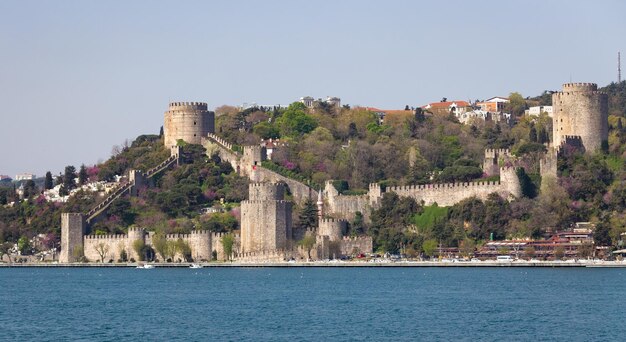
580 110
189 121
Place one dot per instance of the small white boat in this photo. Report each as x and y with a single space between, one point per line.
145 266
195 266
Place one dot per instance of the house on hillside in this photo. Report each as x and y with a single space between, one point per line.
447 107
494 104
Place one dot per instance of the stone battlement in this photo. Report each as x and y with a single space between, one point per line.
332 220
595 92
220 141
580 86
442 186
106 237
264 201
188 105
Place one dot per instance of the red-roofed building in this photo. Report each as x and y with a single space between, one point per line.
447 107
494 104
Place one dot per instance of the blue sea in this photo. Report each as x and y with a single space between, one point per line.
312 304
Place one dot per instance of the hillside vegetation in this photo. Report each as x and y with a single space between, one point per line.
354 148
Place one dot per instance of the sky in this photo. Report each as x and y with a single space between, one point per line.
78 77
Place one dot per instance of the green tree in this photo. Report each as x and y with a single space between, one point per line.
295 122
139 248
307 219
160 245
184 249
307 243
429 247
23 245
82 175
68 178
516 105
123 255
228 241
48 182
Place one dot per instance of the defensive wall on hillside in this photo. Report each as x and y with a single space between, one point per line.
249 163
494 159
344 206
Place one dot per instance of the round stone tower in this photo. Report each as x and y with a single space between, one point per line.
189 121
580 111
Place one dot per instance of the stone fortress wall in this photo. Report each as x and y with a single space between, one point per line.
343 206
494 159
580 110
190 121
202 243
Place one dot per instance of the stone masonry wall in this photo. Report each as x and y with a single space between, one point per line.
580 110
189 121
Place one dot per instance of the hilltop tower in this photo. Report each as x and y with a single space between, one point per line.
265 218
581 112
189 121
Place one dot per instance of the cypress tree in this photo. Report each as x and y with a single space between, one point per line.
48 183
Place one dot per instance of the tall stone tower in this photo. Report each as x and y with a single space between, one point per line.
72 233
580 112
265 218
189 121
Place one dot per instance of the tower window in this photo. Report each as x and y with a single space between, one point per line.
194 123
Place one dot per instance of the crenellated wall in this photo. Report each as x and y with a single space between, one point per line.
356 245
443 194
494 158
334 229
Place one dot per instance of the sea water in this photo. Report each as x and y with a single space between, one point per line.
312 304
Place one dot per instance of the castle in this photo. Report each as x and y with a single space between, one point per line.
189 121
267 233
580 119
580 110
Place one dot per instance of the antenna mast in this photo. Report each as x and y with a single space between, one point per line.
619 68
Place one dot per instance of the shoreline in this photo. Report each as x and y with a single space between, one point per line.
552 264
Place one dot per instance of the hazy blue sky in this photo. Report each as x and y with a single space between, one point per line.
77 77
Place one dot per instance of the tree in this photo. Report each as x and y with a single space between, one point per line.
532 135
23 245
138 247
160 245
307 242
295 122
585 250
307 219
82 175
228 242
184 249
357 226
123 255
429 247
467 247
68 178
516 105
48 183
102 249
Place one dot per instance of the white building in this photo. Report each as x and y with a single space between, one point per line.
25 176
537 110
309 101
